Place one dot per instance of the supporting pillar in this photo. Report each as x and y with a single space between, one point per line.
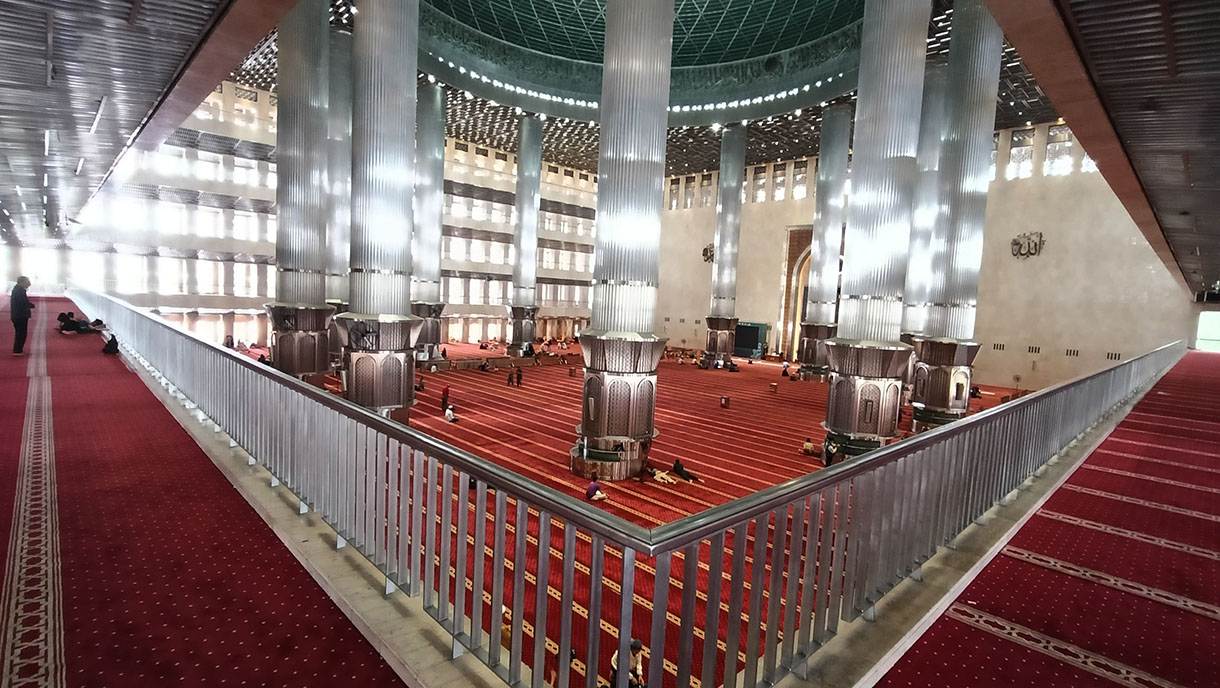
299 314
339 170
152 277
620 349
379 331
821 306
946 352
924 255
110 272
429 206
722 321
866 358
228 281
523 306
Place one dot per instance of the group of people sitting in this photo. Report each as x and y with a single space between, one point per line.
595 493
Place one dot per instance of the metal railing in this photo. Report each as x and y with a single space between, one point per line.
761 582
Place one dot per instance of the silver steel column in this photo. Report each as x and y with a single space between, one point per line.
946 352
339 168
620 349
822 303
523 307
299 314
926 214
722 321
429 208
866 358
379 331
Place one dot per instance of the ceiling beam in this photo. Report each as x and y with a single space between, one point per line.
1039 32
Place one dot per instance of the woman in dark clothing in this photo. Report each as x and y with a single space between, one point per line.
20 310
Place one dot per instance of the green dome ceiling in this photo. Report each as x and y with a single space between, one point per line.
706 32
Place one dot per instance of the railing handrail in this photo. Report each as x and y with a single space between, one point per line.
666 537
688 529
593 519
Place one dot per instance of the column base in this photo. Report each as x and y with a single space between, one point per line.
811 351
941 379
618 405
525 329
929 419
428 345
721 339
865 397
379 359
301 341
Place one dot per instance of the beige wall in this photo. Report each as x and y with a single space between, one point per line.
686 280
1097 286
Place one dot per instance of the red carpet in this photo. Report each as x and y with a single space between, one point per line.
168 575
1115 577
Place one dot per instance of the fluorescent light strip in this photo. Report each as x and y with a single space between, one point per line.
79 164
46 142
97 116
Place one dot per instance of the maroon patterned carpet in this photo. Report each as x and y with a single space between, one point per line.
1116 579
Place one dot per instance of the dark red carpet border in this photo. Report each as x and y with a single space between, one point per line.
169 576
1115 577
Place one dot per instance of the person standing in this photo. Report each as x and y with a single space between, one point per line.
445 398
518 376
20 310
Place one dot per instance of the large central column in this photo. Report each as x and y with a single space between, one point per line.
826 246
924 251
523 308
299 315
620 349
946 351
429 208
379 330
867 359
722 321
339 182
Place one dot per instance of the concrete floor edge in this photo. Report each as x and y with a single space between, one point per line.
413 644
864 651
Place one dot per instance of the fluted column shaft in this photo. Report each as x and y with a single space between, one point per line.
529 199
973 78
301 203
827 242
339 167
634 109
429 193
384 61
892 55
926 245
728 221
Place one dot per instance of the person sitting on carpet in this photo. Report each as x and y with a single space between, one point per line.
594 492
419 383
444 353
483 365
809 448
451 414
228 342
112 346
680 471
635 665
784 370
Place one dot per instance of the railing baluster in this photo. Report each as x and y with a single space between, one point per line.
775 593
414 562
542 598
446 508
625 608
660 619
737 579
480 568
797 550
460 578
755 622
497 577
686 631
594 634
429 522
519 562
566 593
711 611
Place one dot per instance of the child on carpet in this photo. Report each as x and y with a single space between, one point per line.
594 492
809 448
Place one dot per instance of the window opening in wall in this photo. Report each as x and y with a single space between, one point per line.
800 172
1059 143
997 347
666 319
1035 349
1114 356
1021 155
681 320
481 152
1207 337
460 146
779 181
552 169
1088 164
688 198
675 189
706 196
502 156
959 391
1074 353
584 177
569 173
760 184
